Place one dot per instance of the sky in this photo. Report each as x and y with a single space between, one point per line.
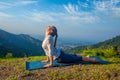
89 20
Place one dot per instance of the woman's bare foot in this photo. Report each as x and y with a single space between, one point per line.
95 60
88 56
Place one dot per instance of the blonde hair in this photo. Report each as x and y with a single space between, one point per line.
51 30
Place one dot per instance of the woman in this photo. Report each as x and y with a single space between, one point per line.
52 53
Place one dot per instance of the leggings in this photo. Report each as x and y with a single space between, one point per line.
68 58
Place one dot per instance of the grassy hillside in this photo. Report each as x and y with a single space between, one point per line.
14 69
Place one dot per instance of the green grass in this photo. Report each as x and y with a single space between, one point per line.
14 69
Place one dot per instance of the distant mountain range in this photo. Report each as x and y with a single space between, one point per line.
115 41
67 43
19 45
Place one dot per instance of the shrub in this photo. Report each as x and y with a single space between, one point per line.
93 52
9 55
108 53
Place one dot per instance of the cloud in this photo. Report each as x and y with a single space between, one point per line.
93 11
108 7
74 13
27 2
83 4
5 15
6 5
24 3
71 8
41 17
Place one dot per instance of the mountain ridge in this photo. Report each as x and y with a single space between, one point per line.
115 41
20 45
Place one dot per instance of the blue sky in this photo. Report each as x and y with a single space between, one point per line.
92 20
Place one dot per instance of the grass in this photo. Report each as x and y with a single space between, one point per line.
14 69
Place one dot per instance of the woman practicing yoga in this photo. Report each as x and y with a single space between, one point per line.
49 46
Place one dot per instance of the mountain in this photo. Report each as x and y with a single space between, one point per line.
115 41
20 45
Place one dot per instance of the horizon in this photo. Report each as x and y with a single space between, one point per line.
85 20
63 39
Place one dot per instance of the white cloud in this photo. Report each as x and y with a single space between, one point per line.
76 15
4 15
41 17
5 5
61 19
108 7
24 3
95 13
27 2
102 5
71 8
83 4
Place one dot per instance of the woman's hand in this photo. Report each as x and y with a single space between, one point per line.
48 65
46 59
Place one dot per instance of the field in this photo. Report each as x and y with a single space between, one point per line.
14 69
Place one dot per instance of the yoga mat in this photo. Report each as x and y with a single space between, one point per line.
39 65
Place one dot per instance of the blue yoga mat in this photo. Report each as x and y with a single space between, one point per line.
100 60
39 65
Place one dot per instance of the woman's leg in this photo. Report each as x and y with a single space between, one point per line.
88 59
69 58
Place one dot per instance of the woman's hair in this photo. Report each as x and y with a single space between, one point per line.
51 30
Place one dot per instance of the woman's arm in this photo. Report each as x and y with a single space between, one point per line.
51 62
50 46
